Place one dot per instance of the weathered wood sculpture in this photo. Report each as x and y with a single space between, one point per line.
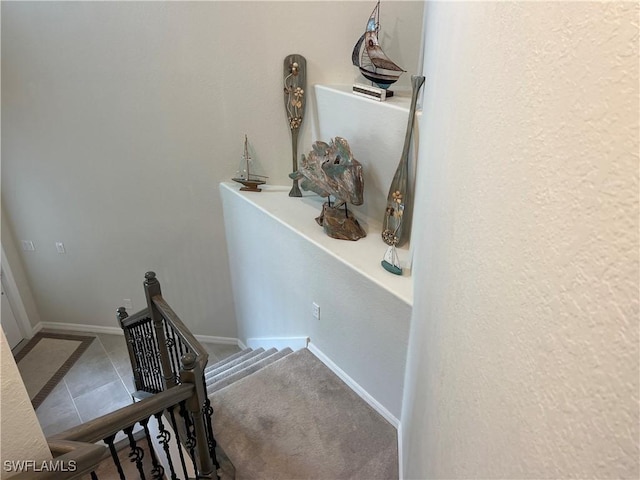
330 170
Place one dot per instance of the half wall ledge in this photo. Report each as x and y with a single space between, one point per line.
298 215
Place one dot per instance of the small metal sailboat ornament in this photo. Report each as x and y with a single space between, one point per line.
246 178
373 63
395 230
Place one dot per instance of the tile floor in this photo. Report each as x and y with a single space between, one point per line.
99 382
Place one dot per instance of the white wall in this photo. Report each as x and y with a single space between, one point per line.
121 118
21 436
524 346
363 327
18 272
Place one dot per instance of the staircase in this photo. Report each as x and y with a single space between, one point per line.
260 414
239 366
285 415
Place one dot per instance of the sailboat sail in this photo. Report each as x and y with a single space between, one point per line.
245 177
372 61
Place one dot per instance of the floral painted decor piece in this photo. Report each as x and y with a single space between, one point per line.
295 77
395 231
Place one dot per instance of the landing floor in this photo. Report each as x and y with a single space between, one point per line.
100 382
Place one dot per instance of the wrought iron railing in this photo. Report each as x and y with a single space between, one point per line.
77 453
143 352
157 340
168 366
158 343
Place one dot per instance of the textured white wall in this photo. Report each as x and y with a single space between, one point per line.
120 119
21 437
524 347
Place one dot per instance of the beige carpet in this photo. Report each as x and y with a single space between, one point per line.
295 419
46 359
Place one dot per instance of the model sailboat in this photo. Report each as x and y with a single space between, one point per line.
246 178
370 59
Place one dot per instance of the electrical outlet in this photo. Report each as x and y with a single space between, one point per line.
60 247
27 246
315 310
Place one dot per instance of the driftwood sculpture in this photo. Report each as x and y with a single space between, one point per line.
330 170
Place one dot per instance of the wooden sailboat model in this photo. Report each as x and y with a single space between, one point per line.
246 178
370 59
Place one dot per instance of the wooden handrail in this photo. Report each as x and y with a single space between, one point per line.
75 451
111 423
72 459
134 318
187 337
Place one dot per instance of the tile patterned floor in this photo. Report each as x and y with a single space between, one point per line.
99 382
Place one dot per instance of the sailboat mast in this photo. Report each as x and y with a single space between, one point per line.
246 157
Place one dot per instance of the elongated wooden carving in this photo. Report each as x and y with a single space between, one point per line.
394 229
295 78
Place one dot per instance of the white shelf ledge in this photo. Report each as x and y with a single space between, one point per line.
298 214
401 99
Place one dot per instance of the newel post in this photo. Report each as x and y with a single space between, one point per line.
152 289
192 372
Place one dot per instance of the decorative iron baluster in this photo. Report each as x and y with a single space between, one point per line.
176 432
164 437
143 360
157 472
122 315
173 351
193 372
136 454
94 476
151 350
114 455
207 410
138 335
190 441
181 346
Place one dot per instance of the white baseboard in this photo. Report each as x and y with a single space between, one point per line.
221 340
294 343
366 396
36 329
118 331
377 406
78 328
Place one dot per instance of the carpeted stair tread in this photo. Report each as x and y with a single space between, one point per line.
226 360
230 371
233 363
296 419
253 367
230 361
211 379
